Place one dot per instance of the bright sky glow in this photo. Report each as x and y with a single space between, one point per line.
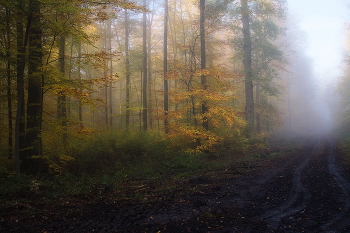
324 23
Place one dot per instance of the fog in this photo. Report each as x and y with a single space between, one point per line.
316 63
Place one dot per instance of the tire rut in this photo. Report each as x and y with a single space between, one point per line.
319 200
298 193
341 220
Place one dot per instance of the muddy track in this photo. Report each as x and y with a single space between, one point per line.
318 200
305 192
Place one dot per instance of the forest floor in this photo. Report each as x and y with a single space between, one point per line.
307 190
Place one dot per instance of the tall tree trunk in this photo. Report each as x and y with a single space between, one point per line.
165 67
105 74
9 78
203 62
62 98
127 70
109 32
247 63
32 162
144 71
80 107
149 71
22 43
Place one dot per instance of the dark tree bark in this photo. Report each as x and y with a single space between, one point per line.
22 43
203 61
144 71
247 63
32 162
165 67
9 78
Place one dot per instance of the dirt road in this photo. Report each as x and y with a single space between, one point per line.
308 191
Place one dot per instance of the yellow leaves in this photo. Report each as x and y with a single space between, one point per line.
206 95
99 59
196 139
199 95
90 29
66 158
101 16
203 72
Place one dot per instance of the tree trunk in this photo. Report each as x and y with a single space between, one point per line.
9 78
203 62
258 116
247 63
80 107
22 43
32 162
165 68
110 73
144 70
149 70
127 70
62 98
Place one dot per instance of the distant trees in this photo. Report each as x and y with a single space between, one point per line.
261 55
297 98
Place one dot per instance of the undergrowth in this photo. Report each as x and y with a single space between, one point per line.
345 145
101 162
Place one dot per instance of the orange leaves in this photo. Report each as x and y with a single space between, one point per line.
206 95
196 139
186 121
98 59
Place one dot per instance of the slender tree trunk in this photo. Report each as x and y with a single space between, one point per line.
32 162
165 67
105 74
71 50
247 63
127 70
149 70
62 98
80 107
9 78
192 59
203 62
110 73
289 108
257 100
144 71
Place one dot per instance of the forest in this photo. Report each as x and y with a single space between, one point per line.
100 81
100 91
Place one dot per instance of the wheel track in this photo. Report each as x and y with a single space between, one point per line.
298 191
341 220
